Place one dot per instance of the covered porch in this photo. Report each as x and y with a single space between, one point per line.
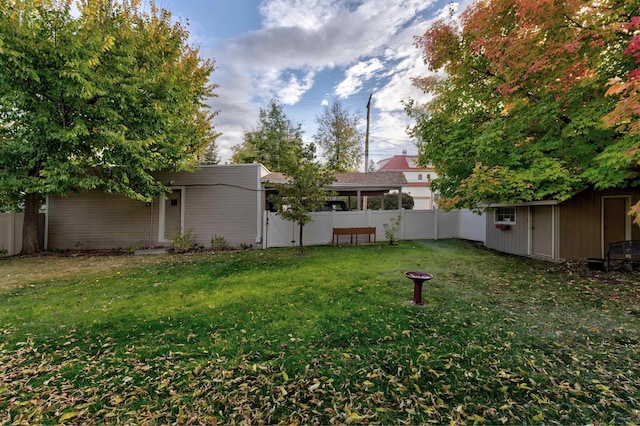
355 188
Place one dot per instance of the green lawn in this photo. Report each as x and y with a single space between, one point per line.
272 337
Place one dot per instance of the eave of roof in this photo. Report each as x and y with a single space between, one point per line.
374 181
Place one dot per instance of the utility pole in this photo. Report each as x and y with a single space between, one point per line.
366 138
366 149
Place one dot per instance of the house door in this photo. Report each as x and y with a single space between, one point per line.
173 214
614 220
542 231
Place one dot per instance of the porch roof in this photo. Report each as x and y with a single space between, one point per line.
381 181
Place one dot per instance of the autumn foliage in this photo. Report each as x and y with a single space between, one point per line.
521 110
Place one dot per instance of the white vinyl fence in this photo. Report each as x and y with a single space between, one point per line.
414 225
10 233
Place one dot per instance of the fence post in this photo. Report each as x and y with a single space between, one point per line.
12 233
436 225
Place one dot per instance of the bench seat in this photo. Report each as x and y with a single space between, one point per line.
354 231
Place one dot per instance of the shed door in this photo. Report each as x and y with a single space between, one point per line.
614 220
542 231
172 214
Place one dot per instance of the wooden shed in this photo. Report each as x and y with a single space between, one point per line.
579 228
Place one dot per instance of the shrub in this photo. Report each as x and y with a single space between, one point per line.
183 243
392 229
391 202
218 242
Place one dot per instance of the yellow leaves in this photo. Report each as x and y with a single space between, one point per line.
352 416
538 417
503 374
109 42
524 386
477 418
68 416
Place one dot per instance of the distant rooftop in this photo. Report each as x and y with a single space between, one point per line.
402 162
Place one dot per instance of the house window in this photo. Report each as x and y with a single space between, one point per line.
429 177
505 215
419 177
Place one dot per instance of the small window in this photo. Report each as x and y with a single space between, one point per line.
429 177
505 215
419 177
174 202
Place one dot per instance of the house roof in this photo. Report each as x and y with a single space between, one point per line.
402 163
374 181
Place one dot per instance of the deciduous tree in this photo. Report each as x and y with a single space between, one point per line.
95 100
339 138
305 191
274 141
519 100
626 114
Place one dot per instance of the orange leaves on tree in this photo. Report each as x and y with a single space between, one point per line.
440 45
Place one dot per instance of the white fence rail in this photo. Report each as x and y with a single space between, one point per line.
10 233
414 225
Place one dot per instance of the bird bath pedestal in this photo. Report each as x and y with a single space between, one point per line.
418 278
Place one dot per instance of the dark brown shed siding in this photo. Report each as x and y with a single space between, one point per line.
581 223
514 240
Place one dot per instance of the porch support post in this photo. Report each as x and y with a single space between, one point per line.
359 200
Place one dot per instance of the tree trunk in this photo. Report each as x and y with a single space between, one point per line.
30 242
301 246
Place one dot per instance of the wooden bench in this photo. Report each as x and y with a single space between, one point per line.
623 251
370 230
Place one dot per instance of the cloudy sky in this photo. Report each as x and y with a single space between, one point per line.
308 53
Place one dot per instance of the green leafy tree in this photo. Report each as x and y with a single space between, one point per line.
391 202
95 101
274 142
517 113
305 191
209 155
339 138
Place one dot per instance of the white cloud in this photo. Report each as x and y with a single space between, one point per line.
307 14
355 76
292 89
373 39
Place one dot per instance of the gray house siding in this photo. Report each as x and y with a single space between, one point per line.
221 200
217 200
95 220
514 240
